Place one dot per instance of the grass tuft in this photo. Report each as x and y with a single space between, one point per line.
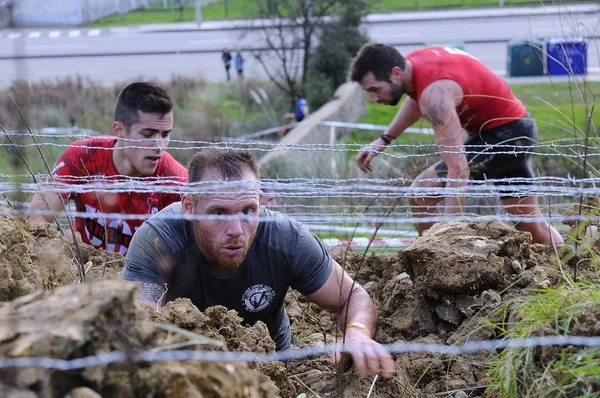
569 309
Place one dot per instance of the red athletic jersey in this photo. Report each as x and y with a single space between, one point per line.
487 102
90 161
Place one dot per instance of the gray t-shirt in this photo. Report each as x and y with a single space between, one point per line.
284 254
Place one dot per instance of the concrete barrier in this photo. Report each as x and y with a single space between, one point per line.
348 104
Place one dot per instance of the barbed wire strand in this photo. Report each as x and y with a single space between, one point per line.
294 354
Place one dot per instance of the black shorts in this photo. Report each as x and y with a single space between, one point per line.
511 159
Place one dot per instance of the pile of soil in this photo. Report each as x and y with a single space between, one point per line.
83 320
442 289
41 258
32 260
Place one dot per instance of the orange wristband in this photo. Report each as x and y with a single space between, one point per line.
359 325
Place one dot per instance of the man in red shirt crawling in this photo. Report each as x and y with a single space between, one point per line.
454 91
109 177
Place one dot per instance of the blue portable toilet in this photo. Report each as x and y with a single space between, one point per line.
566 56
525 58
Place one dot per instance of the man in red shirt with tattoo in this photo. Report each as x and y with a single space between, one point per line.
454 91
109 177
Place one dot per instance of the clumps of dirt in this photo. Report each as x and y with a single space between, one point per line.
77 321
224 326
443 289
216 323
32 259
41 258
441 373
97 263
466 258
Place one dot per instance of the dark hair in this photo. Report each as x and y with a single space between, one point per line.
377 58
229 162
144 97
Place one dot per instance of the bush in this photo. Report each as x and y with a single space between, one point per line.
339 42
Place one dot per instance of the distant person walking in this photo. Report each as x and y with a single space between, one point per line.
226 56
300 111
239 64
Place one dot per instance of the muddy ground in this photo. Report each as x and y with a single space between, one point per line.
439 290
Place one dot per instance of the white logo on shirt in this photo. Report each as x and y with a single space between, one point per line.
56 168
258 297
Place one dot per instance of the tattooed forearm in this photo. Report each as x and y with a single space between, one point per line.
151 293
434 112
45 205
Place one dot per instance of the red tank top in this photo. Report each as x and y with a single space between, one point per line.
487 102
90 161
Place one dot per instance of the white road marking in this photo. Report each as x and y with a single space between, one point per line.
54 34
48 46
94 32
14 35
207 40
34 35
74 33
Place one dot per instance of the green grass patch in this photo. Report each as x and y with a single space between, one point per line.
229 9
245 9
394 5
550 371
560 109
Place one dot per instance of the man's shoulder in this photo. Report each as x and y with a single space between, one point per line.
85 156
278 231
101 141
91 145
169 225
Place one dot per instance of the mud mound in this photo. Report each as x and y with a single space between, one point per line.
317 376
82 320
225 326
216 323
41 258
443 289
32 259
460 257
457 275
99 264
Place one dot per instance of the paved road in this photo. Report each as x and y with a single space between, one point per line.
122 54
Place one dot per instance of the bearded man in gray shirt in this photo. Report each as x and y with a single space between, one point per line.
236 253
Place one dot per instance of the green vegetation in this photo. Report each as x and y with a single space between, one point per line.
227 9
240 9
560 108
203 112
394 5
570 309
